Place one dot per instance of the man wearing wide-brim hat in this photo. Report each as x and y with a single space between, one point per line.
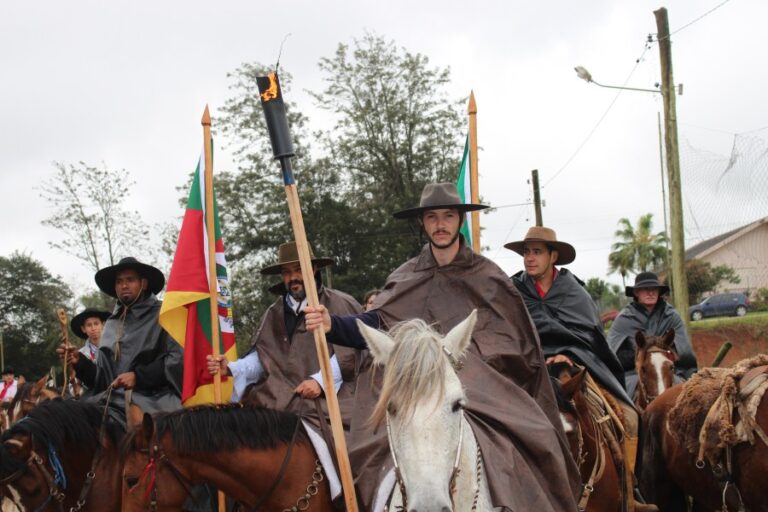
282 370
569 325
88 325
510 404
136 356
650 313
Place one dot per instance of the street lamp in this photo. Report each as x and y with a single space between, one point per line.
677 265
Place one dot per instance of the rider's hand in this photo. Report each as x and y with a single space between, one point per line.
217 365
310 388
559 358
71 352
125 380
317 317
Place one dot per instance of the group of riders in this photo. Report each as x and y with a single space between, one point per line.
540 317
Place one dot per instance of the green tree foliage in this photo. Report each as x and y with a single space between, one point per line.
394 131
638 248
28 318
605 295
704 278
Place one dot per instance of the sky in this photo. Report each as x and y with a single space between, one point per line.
125 84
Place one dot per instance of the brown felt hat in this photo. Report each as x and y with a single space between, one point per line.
438 196
287 254
565 252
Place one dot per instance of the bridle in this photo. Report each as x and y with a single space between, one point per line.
645 398
457 365
157 456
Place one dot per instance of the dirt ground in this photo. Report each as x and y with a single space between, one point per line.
748 340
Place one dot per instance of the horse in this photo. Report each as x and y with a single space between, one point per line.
677 452
29 396
655 365
62 456
594 443
438 464
260 457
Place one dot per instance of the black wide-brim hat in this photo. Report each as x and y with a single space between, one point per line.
8 370
288 254
565 251
439 196
105 278
78 320
646 280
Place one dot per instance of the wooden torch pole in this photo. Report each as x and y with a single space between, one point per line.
210 230
473 176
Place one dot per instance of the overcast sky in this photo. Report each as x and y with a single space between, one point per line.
125 83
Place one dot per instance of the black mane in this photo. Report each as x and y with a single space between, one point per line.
227 427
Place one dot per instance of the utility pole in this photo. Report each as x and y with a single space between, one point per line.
679 280
536 196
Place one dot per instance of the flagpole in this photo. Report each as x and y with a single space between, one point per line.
282 147
473 179
210 229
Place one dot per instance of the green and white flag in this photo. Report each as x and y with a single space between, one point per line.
465 192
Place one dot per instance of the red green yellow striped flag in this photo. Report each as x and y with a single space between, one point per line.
186 313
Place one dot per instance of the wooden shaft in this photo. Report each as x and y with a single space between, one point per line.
724 349
474 182
536 196
210 225
323 355
679 279
65 335
210 229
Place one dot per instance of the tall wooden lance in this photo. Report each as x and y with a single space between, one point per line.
282 147
473 174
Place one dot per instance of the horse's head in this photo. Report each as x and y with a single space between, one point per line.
145 470
422 402
29 396
655 365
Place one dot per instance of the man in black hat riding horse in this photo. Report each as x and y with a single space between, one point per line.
650 313
511 406
138 364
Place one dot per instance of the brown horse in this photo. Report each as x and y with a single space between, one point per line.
593 443
671 471
655 365
60 457
260 457
29 396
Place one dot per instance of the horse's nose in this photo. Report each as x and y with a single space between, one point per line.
436 508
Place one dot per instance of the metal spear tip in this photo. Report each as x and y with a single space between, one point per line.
582 73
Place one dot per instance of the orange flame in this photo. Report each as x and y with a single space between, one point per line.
271 91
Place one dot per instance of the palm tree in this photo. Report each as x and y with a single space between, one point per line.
638 249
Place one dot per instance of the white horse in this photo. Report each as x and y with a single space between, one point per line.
437 463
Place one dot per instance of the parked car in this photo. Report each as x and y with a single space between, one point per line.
721 304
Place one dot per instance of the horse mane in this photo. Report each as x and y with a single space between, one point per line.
226 427
416 362
55 423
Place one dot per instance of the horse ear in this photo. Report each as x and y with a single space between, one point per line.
640 339
148 426
19 447
380 344
574 384
457 340
669 339
40 384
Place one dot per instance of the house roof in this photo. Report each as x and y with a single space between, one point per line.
708 246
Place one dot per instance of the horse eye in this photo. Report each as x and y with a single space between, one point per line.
458 404
132 482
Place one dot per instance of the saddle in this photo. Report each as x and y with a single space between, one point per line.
717 407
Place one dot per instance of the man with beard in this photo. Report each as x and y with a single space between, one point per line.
138 363
569 326
510 407
282 371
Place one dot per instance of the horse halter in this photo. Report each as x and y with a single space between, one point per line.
647 397
55 492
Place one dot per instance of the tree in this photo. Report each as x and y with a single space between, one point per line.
704 278
605 295
89 210
28 304
394 131
638 249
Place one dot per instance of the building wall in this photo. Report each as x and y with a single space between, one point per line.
748 256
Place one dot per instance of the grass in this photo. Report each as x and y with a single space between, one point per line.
759 319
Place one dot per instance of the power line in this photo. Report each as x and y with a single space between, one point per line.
699 18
